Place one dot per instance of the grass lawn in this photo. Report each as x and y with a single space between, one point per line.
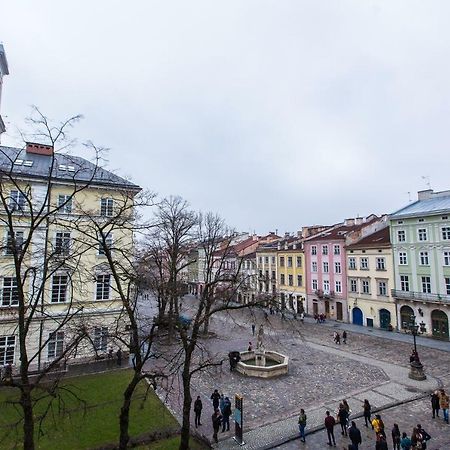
172 444
71 424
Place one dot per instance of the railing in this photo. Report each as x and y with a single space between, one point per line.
423 297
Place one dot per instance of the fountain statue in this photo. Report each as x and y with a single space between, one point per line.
259 342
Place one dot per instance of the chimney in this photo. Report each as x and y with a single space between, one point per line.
39 149
425 195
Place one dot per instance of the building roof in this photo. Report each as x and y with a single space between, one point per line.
380 238
430 206
66 168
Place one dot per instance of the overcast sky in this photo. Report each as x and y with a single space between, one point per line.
276 114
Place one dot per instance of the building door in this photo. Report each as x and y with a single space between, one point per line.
327 308
291 302
406 312
339 314
439 324
385 319
300 307
369 322
315 308
357 316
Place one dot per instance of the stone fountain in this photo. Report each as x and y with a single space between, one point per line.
262 363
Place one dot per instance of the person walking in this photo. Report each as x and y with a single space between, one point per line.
396 437
302 424
250 347
405 442
378 426
215 397
344 337
416 439
226 413
367 412
381 443
253 328
216 420
198 406
443 403
342 415
435 403
355 435
329 425
424 436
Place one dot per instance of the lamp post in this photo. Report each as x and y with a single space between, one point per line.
416 368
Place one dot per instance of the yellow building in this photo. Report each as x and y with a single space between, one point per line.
60 225
291 274
370 278
266 266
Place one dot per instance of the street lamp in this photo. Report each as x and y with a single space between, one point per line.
416 370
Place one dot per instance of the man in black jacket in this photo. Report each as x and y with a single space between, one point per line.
198 406
355 435
215 397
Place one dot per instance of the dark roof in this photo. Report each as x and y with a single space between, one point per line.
80 169
380 238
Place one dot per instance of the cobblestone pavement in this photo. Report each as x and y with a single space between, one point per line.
320 375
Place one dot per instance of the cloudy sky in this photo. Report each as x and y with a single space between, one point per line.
276 114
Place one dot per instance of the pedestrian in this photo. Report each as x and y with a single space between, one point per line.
378 426
253 328
355 435
119 357
396 437
367 412
226 413
416 439
198 406
215 397
265 317
342 415
302 424
302 317
381 443
424 436
329 425
271 311
216 420
443 403
337 338
344 337
347 407
222 403
250 347
405 442
435 403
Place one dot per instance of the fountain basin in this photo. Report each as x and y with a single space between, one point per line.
275 364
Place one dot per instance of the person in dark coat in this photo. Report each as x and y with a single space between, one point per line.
198 406
396 437
216 420
344 337
329 425
367 412
381 444
424 436
226 413
435 404
343 418
215 397
355 435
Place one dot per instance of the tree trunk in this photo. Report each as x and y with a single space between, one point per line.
28 421
206 323
187 401
124 419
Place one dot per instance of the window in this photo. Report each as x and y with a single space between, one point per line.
10 294
314 266
337 267
337 249
59 288
324 249
266 260
62 243
103 287
9 248
281 261
446 258
365 287
353 286
326 285
55 346
299 261
108 244
338 287
352 263
106 207
381 264
101 338
7 350
289 261
273 275
402 258
382 288
446 233
65 203
401 236
260 273
424 260
267 274
404 283
422 234
426 285
299 280
325 267
282 279
16 201
273 259
447 285
314 284
260 259
364 263
291 280
313 249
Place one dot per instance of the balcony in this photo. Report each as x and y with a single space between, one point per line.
420 296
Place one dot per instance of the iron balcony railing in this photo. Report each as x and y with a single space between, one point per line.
421 296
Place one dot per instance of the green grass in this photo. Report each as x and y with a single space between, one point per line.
71 424
172 444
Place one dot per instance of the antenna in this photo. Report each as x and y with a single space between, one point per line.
426 178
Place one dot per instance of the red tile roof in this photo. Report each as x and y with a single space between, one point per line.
380 238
